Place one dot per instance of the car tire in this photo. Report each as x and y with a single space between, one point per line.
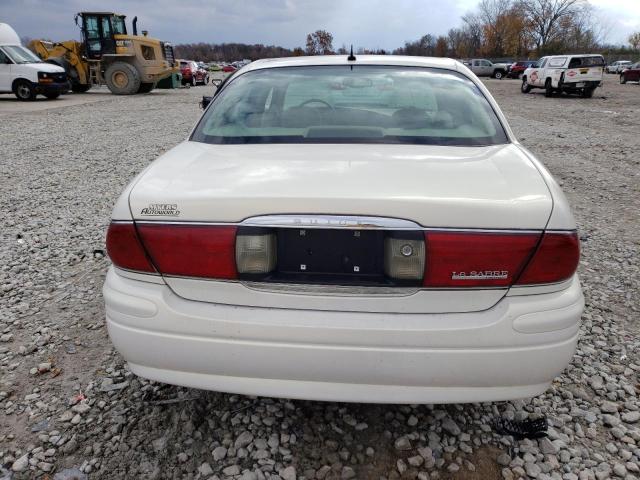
24 90
525 87
520 75
623 80
560 82
498 74
548 89
52 96
587 92
122 78
193 81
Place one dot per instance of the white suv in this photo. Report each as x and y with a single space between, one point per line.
619 66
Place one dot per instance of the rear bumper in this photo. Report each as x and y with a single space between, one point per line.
344 356
584 84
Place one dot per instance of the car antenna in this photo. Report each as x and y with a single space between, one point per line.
351 57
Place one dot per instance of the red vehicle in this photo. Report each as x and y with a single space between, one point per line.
631 74
229 68
192 74
518 68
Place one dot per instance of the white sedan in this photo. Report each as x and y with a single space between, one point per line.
354 229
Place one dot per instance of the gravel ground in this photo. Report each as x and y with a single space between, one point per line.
71 409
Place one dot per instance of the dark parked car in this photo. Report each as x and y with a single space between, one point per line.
192 74
631 74
518 68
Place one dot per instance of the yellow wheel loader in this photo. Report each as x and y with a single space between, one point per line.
107 55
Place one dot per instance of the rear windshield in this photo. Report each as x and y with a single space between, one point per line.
586 62
351 104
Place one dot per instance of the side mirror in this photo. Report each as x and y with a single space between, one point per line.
205 102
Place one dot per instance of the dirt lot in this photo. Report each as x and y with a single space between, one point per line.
70 407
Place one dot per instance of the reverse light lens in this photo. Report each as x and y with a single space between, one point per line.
555 260
468 259
256 253
125 250
206 251
404 259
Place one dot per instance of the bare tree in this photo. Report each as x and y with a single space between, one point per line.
634 40
546 16
320 42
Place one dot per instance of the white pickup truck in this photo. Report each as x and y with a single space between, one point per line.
580 74
484 68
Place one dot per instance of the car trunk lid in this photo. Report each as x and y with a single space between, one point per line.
441 188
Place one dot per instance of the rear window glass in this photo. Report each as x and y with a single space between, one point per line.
557 62
586 62
351 104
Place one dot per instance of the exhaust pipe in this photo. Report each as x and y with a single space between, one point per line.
135 25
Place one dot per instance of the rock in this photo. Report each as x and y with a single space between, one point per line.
231 470
609 407
631 417
70 474
620 470
547 447
415 461
347 473
504 459
288 473
402 443
532 469
205 470
610 420
451 427
219 453
244 439
401 466
81 408
44 367
21 464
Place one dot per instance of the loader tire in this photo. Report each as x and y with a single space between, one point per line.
146 87
122 78
79 87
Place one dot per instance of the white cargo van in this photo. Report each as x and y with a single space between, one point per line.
23 73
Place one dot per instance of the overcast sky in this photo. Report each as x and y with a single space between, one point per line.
365 23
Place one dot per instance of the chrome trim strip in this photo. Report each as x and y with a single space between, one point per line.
331 221
331 290
352 222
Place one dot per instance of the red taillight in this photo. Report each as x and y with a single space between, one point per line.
469 259
206 251
124 248
555 260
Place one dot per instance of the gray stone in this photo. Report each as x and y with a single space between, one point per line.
244 439
21 464
450 426
402 443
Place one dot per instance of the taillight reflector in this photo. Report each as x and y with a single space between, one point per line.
125 250
555 260
469 259
206 251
